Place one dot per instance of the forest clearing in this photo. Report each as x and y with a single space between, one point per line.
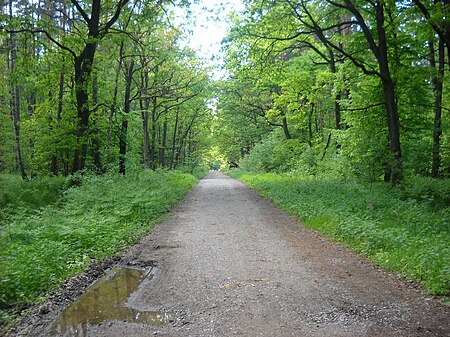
112 112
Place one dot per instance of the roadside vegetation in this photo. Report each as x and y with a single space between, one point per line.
53 228
403 228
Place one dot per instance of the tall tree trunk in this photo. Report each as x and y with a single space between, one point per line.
129 68
54 159
174 142
83 70
394 168
50 15
438 89
15 116
95 132
310 126
146 143
337 97
153 134
14 91
112 111
181 153
287 134
162 155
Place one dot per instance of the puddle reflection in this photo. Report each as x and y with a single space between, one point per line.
105 301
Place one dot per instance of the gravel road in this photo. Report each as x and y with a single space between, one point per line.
229 263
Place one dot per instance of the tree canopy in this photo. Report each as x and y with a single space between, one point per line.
360 84
337 86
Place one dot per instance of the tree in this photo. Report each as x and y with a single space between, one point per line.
83 61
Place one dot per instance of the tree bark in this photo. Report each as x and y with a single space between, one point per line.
95 132
14 91
394 168
287 134
162 156
112 111
146 144
174 142
438 89
129 68
54 159
153 134
337 98
83 69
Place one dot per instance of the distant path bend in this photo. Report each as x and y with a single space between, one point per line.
232 264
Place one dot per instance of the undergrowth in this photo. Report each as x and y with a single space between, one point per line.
44 240
405 229
15 193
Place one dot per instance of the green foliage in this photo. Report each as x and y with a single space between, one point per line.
403 228
93 221
312 80
16 193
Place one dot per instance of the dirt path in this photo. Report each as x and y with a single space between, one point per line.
230 264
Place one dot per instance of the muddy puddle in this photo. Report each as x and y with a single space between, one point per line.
106 301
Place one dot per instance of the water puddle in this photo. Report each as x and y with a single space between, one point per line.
106 301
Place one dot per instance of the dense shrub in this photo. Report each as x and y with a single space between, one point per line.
17 193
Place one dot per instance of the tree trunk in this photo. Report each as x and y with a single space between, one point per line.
287 134
112 111
310 127
83 69
337 98
174 142
438 89
129 68
95 133
54 159
15 116
146 144
153 135
182 137
14 91
394 168
162 155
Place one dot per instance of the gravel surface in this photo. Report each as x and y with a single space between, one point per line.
229 263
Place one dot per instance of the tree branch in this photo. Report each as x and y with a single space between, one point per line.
36 31
116 15
81 10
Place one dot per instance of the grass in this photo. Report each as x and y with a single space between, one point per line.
405 229
48 237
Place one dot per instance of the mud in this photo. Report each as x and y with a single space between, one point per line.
106 301
231 264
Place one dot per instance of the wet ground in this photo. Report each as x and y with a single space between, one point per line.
228 263
106 301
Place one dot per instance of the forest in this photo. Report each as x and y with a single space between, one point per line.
108 117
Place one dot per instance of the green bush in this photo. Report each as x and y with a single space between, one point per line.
38 192
277 154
